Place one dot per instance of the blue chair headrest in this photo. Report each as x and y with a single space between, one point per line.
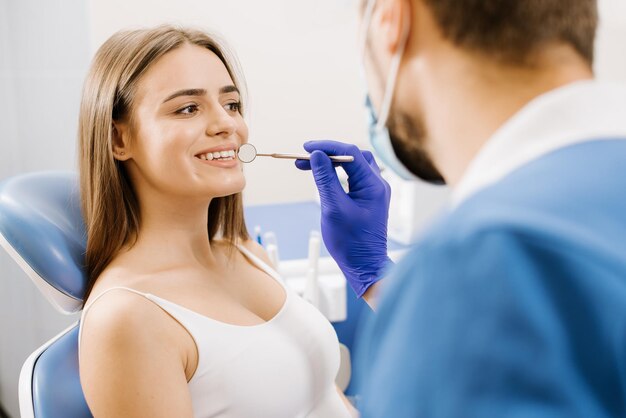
41 227
56 388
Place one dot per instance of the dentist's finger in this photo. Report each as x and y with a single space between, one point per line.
303 164
369 157
357 170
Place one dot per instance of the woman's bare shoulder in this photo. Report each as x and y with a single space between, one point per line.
117 313
118 309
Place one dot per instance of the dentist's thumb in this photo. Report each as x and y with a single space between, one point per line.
328 184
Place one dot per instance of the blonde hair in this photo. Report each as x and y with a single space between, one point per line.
109 204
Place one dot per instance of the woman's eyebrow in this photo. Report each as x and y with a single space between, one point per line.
199 92
185 92
229 89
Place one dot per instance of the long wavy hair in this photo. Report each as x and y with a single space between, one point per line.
109 204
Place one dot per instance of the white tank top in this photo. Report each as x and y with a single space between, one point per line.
285 367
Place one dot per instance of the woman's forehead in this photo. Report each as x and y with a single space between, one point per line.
186 67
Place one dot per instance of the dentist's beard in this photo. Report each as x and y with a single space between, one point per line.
408 136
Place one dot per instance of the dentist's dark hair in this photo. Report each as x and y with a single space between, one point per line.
512 31
109 203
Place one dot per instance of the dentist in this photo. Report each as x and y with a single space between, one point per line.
513 303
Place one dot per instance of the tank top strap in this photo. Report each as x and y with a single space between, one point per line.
260 263
86 308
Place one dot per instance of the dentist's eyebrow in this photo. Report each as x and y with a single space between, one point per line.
185 92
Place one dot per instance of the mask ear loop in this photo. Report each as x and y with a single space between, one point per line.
367 20
393 74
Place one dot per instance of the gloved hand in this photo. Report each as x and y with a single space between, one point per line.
354 224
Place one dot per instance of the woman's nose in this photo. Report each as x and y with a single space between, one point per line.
220 123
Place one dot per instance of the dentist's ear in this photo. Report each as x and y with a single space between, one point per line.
393 18
120 141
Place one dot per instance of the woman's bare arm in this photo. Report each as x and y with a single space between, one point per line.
129 365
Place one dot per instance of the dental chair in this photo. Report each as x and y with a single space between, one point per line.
41 228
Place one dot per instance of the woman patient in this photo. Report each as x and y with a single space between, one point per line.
184 316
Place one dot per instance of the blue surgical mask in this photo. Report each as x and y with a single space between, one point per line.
377 129
381 142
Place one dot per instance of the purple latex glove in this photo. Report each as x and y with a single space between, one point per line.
354 224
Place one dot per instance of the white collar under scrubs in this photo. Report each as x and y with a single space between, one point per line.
587 110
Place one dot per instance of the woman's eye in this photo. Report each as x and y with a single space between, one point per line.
233 107
188 110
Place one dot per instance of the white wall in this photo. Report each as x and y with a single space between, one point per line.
43 59
610 62
300 63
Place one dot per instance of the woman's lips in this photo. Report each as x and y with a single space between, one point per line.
222 163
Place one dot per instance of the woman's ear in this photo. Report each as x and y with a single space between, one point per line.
120 139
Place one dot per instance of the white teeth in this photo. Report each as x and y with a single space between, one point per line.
226 155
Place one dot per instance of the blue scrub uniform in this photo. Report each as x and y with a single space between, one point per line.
514 303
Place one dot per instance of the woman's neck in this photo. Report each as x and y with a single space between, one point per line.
175 233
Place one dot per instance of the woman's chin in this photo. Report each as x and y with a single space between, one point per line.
228 189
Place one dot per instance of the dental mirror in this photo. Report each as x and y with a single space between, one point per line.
247 153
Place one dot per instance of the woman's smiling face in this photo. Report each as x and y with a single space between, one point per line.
186 127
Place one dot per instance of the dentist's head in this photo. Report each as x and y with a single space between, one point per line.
160 121
443 75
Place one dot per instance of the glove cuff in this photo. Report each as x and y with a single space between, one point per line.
361 281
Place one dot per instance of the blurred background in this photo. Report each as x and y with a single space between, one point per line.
302 70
